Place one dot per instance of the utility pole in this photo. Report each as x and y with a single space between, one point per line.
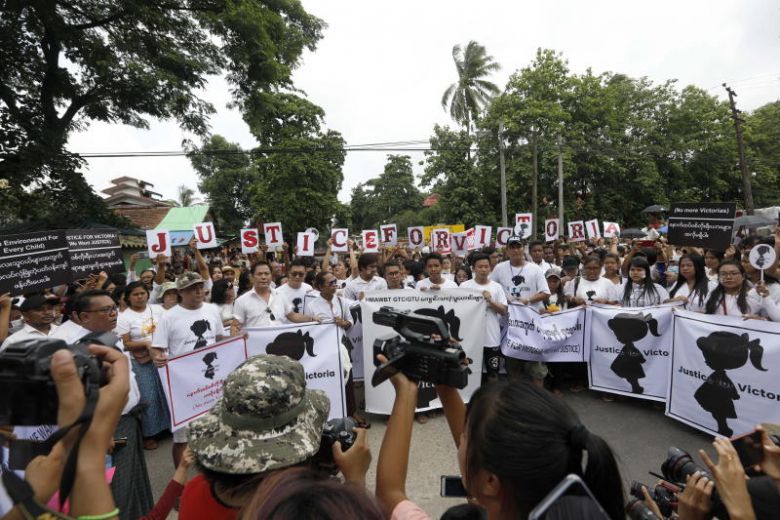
560 181
535 185
746 186
503 171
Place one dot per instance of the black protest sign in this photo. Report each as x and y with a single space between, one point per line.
94 250
709 225
33 261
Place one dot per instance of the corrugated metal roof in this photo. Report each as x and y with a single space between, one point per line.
183 219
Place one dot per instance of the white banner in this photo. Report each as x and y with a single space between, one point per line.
461 310
545 337
630 350
316 347
193 381
355 338
724 373
250 240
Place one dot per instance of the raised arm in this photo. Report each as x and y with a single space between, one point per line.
200 262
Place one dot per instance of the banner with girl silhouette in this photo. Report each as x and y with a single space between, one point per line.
724 373
630 350
531 336
463 312
317 347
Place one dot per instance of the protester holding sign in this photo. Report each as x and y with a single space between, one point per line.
294 291
260 307
729 298
135 325
639 290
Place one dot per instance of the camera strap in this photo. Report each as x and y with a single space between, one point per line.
20 490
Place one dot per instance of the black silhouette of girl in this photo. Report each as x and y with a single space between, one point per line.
725 351
629 328
208 359
292 345
763 250
199 328
449 318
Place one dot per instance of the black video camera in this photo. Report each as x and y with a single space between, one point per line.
28 396
422 351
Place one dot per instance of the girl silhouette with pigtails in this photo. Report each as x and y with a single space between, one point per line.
629 328
725 351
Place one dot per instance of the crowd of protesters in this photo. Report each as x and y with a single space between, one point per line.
257 451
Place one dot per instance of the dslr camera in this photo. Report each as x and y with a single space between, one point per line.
334 430
421 350
28 396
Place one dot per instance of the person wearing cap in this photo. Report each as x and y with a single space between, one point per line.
38 313
191 325
570 265
266 420
229 273
557 300
169 296
496 308
524 284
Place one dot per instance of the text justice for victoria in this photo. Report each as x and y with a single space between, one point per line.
749 389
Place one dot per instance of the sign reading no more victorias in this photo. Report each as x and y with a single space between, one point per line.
709 225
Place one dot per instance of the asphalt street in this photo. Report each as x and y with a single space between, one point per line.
637 431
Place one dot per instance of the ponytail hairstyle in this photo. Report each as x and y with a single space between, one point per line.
756 353
718 294
701 282
531 440
647 285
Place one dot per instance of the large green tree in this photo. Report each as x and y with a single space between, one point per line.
65 64
466 98
380 199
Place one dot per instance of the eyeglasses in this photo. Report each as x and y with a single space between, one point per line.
730 274
297 275
332 283
107 311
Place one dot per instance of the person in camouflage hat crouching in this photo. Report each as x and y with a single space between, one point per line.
265 421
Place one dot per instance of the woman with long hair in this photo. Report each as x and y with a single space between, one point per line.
223 295
729 298
612 268
639 290
693 286
712 260
135 325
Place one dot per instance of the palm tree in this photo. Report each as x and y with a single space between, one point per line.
185 196
467 97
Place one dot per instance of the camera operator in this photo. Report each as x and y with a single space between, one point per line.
97 312
266 420
90 495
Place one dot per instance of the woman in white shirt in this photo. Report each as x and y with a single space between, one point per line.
591 287
135 326
729 298
639 290
692 287
223 295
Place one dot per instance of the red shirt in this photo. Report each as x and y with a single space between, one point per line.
198 502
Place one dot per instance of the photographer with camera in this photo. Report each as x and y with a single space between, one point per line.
266 420
81 459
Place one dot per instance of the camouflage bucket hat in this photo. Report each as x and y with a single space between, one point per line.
265 420
187 279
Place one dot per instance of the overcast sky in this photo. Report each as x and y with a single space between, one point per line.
381 68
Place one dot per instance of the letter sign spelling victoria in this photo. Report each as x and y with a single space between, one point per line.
338 240
551 229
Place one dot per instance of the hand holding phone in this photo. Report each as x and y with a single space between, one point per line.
452 487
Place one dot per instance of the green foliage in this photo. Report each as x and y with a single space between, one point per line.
68 63
379 200
466 98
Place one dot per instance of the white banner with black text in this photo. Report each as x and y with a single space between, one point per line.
531 336
462 310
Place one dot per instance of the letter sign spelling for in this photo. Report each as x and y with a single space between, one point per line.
611 229
482 236
273 234
576 231
524 224
250 240
416 237
158 243
339 240
502 235
205 234
389 234
551 229
370 241
592 227
305 244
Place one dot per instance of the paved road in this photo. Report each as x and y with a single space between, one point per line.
637 431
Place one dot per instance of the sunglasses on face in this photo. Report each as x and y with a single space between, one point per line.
297 275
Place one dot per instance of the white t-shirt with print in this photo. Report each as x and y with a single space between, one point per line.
357 285
492 318
602 288
183 330
292 298
140 325
426 283
521 282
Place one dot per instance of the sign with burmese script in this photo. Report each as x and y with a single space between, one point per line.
724 373
531 336
94 250
33 261
708 225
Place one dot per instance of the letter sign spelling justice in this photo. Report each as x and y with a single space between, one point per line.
273 234
576 231
611 229
205 234
339 240
551 229
482 236
305 244
158 243
416 237
370 241
524 224
592 227
250 240
502 235
389 234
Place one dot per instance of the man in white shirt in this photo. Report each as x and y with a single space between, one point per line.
496 308
38 313
260 307
435 280
523 283
536 250
191 325
367 280
294 291
394 275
